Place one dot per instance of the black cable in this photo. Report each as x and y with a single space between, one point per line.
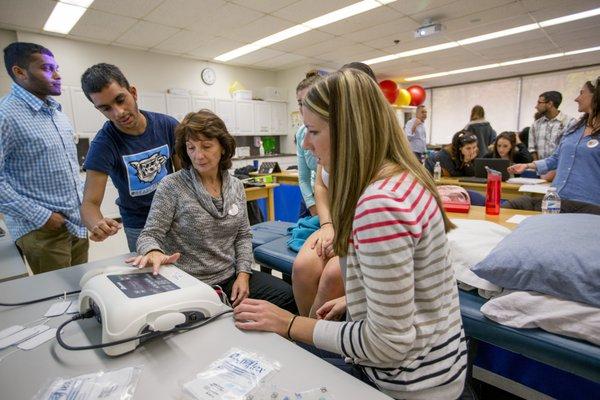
148 335
40 300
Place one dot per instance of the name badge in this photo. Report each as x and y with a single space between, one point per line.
592 143
234 210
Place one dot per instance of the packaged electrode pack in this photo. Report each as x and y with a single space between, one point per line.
231 377
104 385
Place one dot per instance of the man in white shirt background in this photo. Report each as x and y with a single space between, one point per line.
415 131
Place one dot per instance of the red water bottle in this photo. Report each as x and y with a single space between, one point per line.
493 192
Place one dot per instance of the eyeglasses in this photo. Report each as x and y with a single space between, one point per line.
542 102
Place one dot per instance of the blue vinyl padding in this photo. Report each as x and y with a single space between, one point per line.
543 378
266 232
276 255
577 357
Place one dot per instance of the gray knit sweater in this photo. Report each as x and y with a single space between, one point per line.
183 218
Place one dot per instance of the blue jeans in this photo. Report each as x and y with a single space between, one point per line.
304 212
132 235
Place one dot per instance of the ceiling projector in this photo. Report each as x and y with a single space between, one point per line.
428 30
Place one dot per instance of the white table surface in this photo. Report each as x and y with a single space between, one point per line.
167 362
11 263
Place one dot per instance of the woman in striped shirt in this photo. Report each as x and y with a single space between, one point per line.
403 332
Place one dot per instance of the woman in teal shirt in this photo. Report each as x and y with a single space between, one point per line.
307 163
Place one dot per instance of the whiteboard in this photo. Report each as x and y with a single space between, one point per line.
568 83
154 102
452 107
86 118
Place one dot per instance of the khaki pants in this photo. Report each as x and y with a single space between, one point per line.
48 250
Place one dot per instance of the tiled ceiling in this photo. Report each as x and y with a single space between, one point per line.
204 29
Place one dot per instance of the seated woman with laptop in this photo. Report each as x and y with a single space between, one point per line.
456 159
508 146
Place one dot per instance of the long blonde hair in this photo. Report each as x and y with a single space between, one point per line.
367 144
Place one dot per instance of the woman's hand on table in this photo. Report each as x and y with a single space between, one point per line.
260 315
240 289
153 259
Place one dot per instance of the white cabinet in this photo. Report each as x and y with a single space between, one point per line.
262 117
244 118
279 122
202 103
225 109
154 102
65 101
86 118
178 106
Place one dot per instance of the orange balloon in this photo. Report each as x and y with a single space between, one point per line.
403 99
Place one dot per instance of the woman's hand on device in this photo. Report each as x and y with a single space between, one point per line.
153 259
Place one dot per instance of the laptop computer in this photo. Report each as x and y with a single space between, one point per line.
499 164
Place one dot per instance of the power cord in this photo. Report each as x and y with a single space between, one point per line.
148 335
24 303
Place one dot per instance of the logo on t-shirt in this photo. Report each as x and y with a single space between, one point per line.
146 169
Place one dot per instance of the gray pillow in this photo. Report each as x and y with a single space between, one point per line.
558 255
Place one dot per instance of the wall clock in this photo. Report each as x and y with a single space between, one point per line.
208 76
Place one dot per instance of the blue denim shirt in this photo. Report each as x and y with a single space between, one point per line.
577 167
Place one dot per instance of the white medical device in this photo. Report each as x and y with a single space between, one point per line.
129 302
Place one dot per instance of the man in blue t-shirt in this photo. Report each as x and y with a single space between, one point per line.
135 148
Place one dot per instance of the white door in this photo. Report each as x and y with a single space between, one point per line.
202 103
262 117
225 109
244 117
279 122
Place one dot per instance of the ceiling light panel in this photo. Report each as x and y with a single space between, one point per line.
502 64
64 17
490 36
326 19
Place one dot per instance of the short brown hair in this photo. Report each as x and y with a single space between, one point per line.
207 124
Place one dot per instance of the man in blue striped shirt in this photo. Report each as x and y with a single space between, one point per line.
40 186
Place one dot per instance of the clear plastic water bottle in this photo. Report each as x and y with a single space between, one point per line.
437 171
551 202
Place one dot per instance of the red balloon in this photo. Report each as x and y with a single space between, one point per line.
417 95
390 90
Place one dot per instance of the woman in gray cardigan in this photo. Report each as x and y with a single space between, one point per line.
198 219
